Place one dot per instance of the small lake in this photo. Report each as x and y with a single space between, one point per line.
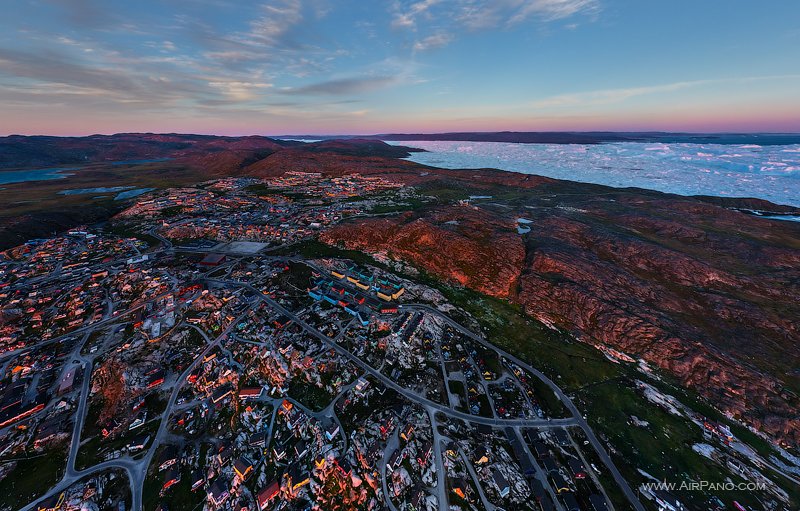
787 218
22 176
122 192
81 191
132 193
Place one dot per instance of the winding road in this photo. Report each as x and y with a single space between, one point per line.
576 419
136 469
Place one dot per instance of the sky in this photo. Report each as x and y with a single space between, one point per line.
235 67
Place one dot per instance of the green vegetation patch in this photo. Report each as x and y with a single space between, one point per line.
179 497
31 477
309 394
94 450
570 363
313 249
124 230
663 448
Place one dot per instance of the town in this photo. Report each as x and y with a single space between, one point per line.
180 357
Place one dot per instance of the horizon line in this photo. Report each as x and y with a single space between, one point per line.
427 133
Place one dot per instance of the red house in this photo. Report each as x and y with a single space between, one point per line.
266 495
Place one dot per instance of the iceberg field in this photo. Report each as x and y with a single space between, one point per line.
765 172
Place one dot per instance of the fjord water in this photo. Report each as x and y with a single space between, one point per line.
745 170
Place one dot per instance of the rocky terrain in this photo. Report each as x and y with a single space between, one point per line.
476 250
694 286
38 208
703 292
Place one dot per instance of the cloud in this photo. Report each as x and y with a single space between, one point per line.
405 16
60 68
607 96
240 91
552 10
486 14
611 96
86 14
345 86
275 22
282 37
438 20
205 64
104 78
433 41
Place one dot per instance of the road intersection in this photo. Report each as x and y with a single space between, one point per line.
136 469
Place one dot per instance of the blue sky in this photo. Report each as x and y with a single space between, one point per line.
324 66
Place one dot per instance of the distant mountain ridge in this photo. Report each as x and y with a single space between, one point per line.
42 151
576 137
17 151
216 154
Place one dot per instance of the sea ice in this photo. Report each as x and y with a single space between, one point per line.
766 172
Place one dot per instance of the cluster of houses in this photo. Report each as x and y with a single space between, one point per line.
272 416
50 287
385 287
36 399
187 200
567 475
314 184
240 226
214 309
232 209
359 292
411 466
108 490
280 453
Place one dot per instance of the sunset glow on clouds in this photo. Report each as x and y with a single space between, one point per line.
324 66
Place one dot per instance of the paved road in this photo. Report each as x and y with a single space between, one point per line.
468 464
540 473
163 427
392 444
85 328
71 474
441 484
591 472
126 464
80 418
576 419
165 243
408 394
72 333
580 421
137 469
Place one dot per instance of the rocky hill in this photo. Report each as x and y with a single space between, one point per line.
45 151
695 286
703 292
